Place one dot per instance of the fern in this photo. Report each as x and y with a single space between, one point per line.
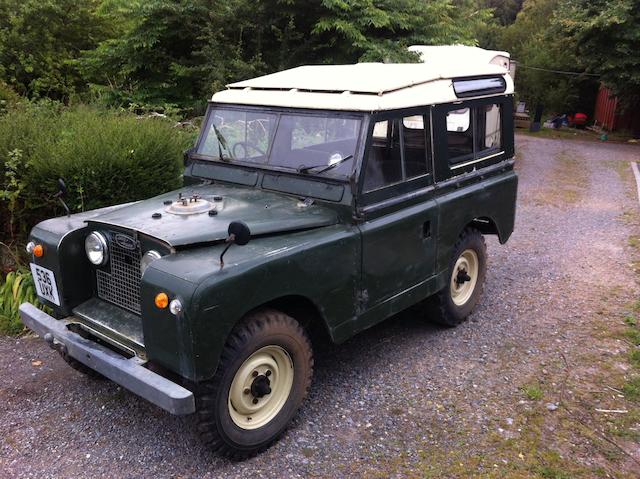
16 288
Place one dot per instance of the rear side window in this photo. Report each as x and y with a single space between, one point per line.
459 134
489 131
474 132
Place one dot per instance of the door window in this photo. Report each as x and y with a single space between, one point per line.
399 151
384 162
414 135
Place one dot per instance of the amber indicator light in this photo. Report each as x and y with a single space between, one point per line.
162 300
38 251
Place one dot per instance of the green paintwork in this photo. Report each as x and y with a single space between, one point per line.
346 259
263 211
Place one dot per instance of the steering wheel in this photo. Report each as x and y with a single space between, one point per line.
245 146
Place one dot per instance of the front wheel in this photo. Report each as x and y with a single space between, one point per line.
263 377
467 271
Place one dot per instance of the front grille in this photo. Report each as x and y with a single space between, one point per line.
121 284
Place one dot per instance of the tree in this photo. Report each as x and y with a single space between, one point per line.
152 61
179 52
540 49
40 41
381 30
605 36
505 11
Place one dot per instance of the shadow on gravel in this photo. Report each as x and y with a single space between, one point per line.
376 346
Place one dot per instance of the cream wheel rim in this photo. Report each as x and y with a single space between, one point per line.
260 387
464 277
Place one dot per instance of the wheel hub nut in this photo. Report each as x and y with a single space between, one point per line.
261 386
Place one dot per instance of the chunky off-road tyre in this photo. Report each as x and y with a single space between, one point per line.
78 366
263 377
467 272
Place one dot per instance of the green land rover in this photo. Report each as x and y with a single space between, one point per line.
319 200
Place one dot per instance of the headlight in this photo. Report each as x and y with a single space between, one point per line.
148 258
95 246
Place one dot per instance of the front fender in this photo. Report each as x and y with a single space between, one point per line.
321 265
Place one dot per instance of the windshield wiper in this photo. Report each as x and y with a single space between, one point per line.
307 169
222 143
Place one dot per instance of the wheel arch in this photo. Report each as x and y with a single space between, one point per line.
303 310
487 226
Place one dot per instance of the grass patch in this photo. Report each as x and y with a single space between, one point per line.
15 288
634 241
561 134
575 134
633 335
634 357
630 320
533 392
565 184
631 389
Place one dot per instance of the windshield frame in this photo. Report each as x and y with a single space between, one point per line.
279 112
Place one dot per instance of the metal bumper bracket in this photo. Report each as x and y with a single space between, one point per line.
130 373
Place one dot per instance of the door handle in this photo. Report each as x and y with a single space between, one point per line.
426 229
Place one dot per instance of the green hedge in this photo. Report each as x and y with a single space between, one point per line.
105 156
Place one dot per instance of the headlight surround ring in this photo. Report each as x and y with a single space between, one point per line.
95 246
148 258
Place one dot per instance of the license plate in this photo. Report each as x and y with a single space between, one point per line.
45 283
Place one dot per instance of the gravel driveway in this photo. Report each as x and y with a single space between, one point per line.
404 398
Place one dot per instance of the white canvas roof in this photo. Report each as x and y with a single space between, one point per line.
367 86
461 53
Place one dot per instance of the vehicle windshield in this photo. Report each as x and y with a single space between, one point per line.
311 144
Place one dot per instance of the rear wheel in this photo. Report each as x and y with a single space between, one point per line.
467 271
264 375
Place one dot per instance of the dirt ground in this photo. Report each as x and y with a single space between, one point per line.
535 384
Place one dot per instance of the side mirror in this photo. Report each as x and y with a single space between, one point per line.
61 194
239 233
62 188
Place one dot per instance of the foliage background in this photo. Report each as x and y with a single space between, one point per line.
106 157
170 55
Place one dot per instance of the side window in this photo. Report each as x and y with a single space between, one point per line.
489 128
414 134
459 134
384 166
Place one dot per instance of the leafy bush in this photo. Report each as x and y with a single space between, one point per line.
105 156
9 99
15 289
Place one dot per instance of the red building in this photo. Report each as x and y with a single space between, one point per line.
610 115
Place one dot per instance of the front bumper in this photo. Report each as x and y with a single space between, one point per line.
130 373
